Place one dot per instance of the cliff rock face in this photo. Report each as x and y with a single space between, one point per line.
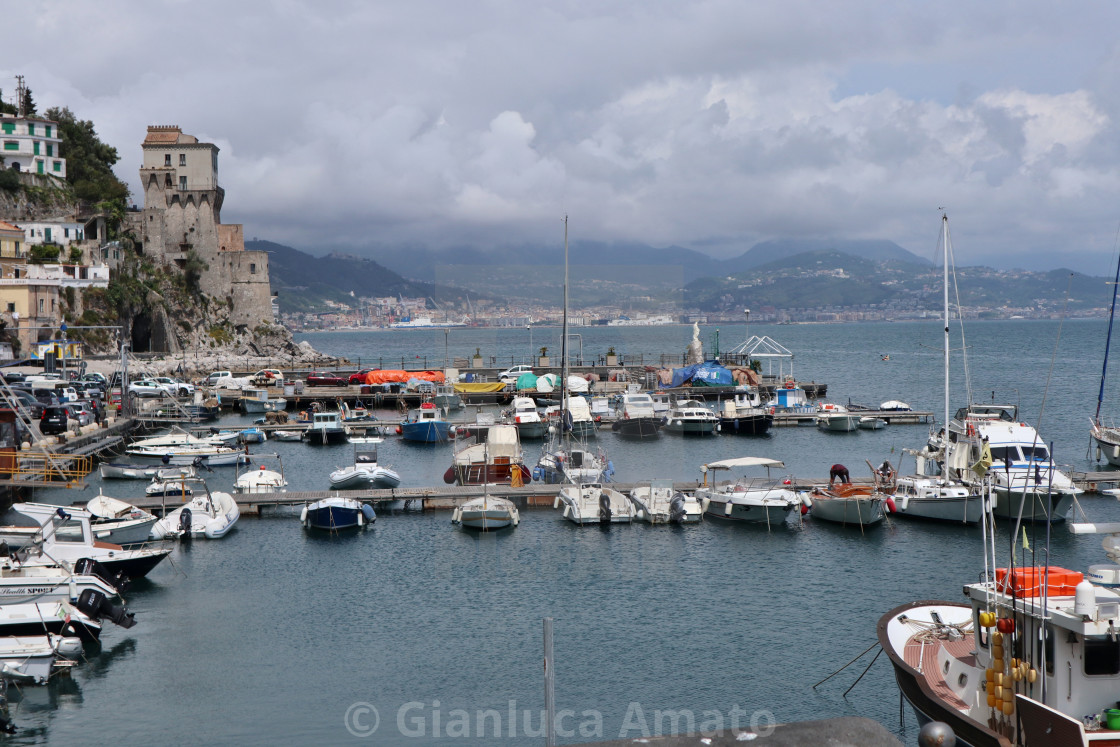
43 198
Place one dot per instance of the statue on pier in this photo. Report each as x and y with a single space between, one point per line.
695 352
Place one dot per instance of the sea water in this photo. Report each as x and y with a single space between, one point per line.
416 632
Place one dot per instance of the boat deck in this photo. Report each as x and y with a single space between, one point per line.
923 657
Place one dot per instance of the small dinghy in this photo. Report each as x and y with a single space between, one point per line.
126 471
486 513
869 423
207 514
261 480
336 512
365 472
167 489
287 435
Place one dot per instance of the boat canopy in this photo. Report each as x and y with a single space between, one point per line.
745 462
709 373
502 441
579 408
387 376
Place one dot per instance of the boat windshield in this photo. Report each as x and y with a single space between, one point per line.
1035 453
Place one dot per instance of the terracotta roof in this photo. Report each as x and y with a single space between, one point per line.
4 226
161 137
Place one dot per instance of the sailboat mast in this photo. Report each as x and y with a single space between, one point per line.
564 330
945 299
1107 342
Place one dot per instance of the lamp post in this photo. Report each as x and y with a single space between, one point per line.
446 332
746 333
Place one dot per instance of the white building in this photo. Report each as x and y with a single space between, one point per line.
31 144
59 232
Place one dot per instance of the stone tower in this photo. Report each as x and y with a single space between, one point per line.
182 213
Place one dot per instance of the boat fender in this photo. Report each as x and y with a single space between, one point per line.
452 432
361 520
804 509
185 523
399 430
369 513
449 475
303 515
806 501
890 505
727 508
538 473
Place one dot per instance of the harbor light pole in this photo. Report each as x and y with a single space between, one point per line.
747 334
446 332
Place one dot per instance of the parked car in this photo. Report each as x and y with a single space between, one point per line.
268 377
33 405
98 377
325 378
360 377
176 387
215 376
53 420
78 411
149 388
513 374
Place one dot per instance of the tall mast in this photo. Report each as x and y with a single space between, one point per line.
1107 343
945 291
564 330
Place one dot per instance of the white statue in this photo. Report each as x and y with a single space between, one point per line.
695 348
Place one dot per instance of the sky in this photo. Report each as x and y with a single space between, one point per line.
707 124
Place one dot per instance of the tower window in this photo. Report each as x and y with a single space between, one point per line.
166 159
252 268
182 159
182 182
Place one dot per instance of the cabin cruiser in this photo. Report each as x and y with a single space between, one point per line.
326 428
495 459
744 415
690 417
524 415
638 418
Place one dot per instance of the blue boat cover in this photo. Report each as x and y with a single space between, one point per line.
708 373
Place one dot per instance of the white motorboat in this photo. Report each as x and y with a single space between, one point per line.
936 498
29 659
836 418
254 400
202 454
58 618
660 503
871 423
744 415
287 435
261 479
66 536
594 503
176 438
566 461
528 420
336 513
751 499
690 417
486 513
638 418
859 505
365 472
31 582
208 514
167 489
118 522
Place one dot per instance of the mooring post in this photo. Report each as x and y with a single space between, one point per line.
549 686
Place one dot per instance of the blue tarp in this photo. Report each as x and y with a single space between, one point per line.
708 373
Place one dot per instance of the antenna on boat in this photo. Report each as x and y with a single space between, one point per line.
1108 340
564 341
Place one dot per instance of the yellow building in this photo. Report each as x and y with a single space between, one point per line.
11 242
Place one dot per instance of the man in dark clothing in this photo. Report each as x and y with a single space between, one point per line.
838 471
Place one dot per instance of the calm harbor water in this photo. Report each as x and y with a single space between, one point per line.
275 635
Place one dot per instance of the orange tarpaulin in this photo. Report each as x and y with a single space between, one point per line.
401 377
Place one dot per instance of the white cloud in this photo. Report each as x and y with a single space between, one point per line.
712 124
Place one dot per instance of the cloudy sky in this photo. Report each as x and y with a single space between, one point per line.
707 124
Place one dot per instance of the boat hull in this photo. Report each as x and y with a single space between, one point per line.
838 423
692 427
356 479
532 431
959 510
1035 506
334 514
325 436
750 514
492 474
1108 445
425 432
637 428
127 532
860 512
748 425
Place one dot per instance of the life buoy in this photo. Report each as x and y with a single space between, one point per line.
449 475
971 430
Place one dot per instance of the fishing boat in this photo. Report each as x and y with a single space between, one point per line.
261 479
763 500
365 472
252 436
495 458
254 401
446 398
336 513
743 414
326 428
846 503
690 417
116 521
594 503
1030 657
208 514
523 413
424 424
638 419
658 502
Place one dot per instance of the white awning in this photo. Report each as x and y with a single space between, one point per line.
745 462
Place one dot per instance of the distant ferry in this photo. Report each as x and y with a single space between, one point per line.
424 322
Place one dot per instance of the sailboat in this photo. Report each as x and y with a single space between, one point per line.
1107 437
563 459
925 495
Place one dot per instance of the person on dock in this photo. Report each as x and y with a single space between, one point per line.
838 471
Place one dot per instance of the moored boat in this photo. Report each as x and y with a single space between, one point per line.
336 513
326 428
116 521
690 417
210 514
764 500
659 502
486 513
496 459
594 503
424 424
261 479
743 414
859 505
638 419
365 472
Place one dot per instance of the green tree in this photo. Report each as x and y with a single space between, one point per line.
28 104
89 162
6 108
193 268
43 254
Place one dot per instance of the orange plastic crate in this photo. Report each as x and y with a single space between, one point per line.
1028 582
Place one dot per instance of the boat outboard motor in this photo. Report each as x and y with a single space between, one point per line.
95 605
676 508
604 508
185 523
90 567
